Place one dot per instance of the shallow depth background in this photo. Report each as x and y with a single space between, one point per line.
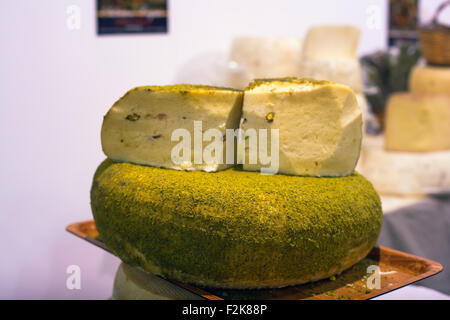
55 86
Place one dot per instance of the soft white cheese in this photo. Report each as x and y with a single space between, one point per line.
319 125
139 127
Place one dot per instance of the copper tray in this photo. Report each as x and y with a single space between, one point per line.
398 269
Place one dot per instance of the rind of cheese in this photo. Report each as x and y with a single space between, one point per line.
263 57
430 79
139 126
417 123
404 173
344 71
319 125
234 229
329 42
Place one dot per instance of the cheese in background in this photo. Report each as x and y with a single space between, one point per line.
404 173
417 123
344 71
329 53
329 42
260 57
139 126
430 79
319 125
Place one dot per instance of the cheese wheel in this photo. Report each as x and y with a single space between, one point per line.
404 173
232 228
430 79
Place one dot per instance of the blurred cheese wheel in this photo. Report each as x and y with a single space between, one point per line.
430 79
404 173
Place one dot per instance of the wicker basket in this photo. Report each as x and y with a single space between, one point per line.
435 40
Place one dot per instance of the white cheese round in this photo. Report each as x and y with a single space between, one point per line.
404 173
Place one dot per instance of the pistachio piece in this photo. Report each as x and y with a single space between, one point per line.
133 117
270 117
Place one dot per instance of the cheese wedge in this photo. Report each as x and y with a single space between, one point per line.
417 123
319 125
430 79
139 127
329 42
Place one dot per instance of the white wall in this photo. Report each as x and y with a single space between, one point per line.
55 87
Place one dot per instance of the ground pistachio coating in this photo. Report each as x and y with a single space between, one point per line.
233 228
299 81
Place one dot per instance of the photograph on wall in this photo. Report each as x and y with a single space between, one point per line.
403 21
131 16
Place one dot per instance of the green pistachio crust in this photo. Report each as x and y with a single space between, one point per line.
301 81
184 89
234 229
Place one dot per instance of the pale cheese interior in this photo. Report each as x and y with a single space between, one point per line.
138 128
319 125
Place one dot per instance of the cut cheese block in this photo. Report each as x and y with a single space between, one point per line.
430 79
319 126
417 123
329 42
345 71
133 283
138 128
404 173
253 57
